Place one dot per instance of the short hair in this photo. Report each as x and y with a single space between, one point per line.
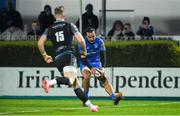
118 22
59 10
89 7
90 29
146 19
127 24
47 7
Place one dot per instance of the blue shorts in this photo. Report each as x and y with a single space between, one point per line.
95 65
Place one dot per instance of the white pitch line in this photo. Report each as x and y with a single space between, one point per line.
132 105
19 112
164 103
73 108
3 113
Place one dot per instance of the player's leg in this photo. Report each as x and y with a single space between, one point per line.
60 61
47 84
108 87
66 65
78 91
71 73
86 80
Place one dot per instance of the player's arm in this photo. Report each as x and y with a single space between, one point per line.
78 36
81 41
103 58
41 43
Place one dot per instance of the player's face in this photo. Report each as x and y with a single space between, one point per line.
91 36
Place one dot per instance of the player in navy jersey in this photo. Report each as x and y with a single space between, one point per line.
61 34
96 56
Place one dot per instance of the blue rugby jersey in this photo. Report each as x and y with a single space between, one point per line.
93 52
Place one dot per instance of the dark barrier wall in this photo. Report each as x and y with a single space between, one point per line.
147 53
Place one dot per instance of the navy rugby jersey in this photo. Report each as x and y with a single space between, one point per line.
61 34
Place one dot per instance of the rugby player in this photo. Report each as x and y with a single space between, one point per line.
61 34
96 56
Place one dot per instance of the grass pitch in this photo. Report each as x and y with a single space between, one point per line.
74 107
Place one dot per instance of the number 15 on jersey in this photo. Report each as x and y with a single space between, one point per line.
59 36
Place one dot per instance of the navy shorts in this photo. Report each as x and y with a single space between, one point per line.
65 59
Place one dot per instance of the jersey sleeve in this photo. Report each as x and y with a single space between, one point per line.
45 33
103 48
74 29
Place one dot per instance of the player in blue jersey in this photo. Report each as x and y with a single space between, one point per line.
96 56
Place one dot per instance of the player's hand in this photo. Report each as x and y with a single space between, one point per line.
93 70
99 72
48 59
103 71
83 54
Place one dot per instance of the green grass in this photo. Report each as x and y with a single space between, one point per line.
74 107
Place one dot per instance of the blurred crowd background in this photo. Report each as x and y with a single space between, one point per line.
125 19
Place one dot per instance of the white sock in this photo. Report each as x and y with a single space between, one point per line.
89 104
52 82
